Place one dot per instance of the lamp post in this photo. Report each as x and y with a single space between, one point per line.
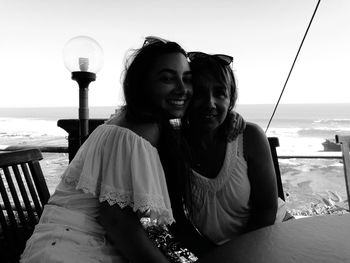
83 57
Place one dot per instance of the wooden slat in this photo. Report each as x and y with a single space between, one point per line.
15 199
40 182
28 196
25 199
3 221
3 216
12 237
31 189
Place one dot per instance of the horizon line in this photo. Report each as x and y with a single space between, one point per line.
117 106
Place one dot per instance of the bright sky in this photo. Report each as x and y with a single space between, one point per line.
262 35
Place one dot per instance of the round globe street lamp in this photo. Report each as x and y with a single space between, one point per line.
83 56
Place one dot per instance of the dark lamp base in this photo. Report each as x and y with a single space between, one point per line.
83 75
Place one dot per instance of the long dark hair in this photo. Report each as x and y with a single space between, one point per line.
137 69
138 108
175 157
172 147
173 151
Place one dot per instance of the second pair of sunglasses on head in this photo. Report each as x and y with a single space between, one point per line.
194 55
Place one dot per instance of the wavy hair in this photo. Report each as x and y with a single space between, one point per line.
208 68
137 69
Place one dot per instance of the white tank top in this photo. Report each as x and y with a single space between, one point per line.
221 205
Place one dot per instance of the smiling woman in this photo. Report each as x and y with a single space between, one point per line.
231 183
171 87
117 175
165 88
216 92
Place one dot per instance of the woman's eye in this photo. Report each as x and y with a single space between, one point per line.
221 92
167 78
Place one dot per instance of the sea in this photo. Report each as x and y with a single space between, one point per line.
301 129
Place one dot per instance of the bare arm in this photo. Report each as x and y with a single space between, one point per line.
263 189
123 227
262 177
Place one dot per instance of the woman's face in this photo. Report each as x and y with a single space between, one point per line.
170 84
210 104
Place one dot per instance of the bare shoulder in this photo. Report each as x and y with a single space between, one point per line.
254 131
255 139
148 131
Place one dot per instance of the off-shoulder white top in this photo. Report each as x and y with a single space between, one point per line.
118 166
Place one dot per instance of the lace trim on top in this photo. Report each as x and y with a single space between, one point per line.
137 181
151 206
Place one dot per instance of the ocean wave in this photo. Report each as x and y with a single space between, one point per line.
320 132
333 121
283 131
12 127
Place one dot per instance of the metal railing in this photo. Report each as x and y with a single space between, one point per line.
71 127
64 149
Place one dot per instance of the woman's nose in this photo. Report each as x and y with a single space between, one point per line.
209 101
183 87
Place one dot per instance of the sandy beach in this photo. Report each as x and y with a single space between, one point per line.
311 184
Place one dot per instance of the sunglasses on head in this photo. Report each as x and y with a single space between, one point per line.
224 59
153 40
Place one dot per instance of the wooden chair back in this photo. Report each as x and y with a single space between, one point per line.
344 141
23 194
274 143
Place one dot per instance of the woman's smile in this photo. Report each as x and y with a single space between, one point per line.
170 84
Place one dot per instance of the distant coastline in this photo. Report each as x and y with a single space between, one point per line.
301 128
288 111
54 113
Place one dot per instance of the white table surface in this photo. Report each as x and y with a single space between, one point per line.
315 239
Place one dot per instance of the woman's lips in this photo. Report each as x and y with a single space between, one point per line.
177 102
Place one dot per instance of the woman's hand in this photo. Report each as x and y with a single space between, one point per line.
237 123
124 229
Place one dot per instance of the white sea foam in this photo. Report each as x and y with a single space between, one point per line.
297 135
18 127
291 142
345 120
